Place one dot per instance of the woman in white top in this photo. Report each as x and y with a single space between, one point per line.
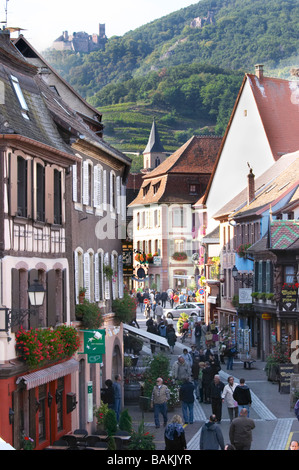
227 395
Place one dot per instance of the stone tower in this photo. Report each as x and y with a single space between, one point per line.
154 152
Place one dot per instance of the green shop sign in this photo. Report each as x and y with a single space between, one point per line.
94 342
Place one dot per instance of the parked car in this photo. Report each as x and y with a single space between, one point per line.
191 308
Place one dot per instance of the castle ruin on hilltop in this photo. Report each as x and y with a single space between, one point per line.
81 41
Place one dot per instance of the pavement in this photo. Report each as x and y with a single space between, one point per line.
276 424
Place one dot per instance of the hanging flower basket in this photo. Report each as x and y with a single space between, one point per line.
241 250
179 256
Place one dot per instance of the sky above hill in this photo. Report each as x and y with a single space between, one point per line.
44 21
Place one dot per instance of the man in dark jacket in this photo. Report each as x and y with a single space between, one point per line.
164 297
240 431
187 399
216 389
211 437
242 396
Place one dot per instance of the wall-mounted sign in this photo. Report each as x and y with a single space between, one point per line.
94 342
245 295
266 316
289 299
157 260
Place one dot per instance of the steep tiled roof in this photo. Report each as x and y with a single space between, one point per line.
284 234
268 187
277 103
169 182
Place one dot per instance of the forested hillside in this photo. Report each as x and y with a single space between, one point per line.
182 70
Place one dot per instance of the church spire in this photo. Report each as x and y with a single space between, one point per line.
154 144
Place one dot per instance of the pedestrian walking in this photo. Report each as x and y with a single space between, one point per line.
186 394
159 399
117 395
197 333
187 356
164 297
296 409
216 389
196 370
174 435
181 370
211 437
227 396
152 328
242 396
171 337
207 378
230 354
159 312
240 431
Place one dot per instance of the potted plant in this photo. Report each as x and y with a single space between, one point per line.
270 298
110 422
108 272
90 315
241 250
82 292
125 421
142 440
124 309
278 356
179 256
27 442
100 414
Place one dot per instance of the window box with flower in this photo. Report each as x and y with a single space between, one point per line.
39 347
242 249
280 355
179 256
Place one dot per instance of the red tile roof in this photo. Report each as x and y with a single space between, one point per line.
190 164
277 102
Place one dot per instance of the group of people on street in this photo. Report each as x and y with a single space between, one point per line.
238 398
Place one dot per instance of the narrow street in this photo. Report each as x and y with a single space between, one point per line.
276 424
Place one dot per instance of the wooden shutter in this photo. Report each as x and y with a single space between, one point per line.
87 275
76 268
85 183
75 191
96 278
113 283
51 297
64 293
96 202
49 194
106 281
111 189
105 190
15 298
120 277
118 199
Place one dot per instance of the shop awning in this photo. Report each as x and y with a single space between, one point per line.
145 334
43 376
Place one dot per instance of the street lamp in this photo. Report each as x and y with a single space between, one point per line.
36 293
241 277
15 317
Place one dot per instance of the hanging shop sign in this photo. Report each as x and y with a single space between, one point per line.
245 296
94 342
89 402
289 299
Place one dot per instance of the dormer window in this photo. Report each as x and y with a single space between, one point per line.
146 189
20 96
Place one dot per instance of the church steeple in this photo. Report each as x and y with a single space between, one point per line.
154 152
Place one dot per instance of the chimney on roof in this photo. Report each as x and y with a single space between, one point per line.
250 186
259 71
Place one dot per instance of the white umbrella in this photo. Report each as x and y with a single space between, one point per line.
5 446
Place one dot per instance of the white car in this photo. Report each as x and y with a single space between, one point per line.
191 308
